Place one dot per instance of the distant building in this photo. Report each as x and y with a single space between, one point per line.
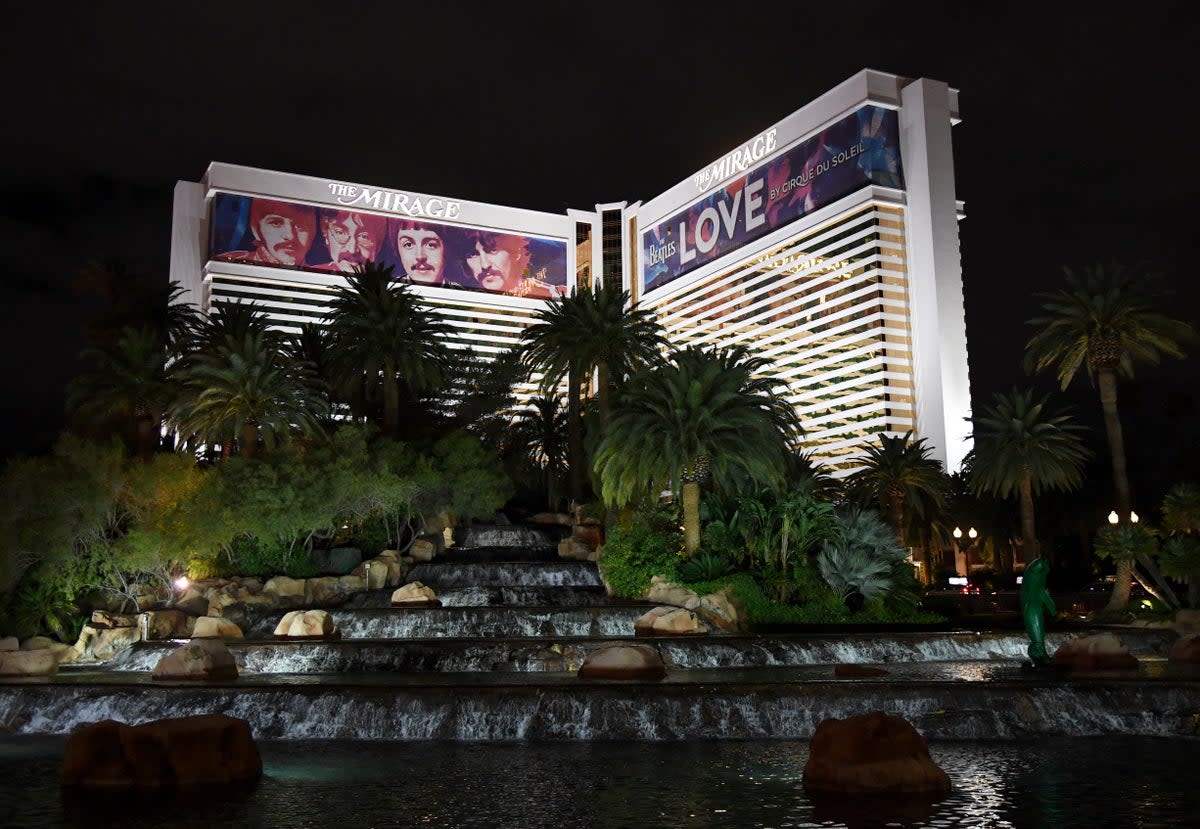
826 243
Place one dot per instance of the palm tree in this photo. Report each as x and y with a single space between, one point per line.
586 331
1023 448
536 434
128 382
383 336
900 477
240 382
701 414
1104 320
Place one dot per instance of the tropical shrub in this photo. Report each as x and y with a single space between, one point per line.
705 566
650 544
866 563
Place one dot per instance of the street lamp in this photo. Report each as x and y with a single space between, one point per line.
1113 518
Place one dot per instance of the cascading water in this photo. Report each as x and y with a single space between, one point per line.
497 662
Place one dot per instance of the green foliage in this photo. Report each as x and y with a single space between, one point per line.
1103 320
650 545
371 536
1125 542
1181 509
1017 437
781 527
1180 557
866 561
900 477
462 477
251 557
705 566
701 413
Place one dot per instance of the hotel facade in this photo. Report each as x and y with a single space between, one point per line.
826 244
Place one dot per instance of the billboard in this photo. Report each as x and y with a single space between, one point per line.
285 234
860 149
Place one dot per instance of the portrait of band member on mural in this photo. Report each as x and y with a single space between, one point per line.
302 237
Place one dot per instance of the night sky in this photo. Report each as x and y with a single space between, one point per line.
1074 147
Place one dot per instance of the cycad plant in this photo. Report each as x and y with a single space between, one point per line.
1104 320
864 563
701 415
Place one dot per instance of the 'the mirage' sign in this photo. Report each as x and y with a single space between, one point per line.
858 150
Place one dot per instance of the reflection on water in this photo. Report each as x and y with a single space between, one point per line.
1048 784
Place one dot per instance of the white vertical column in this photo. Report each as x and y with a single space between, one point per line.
189 242
939 330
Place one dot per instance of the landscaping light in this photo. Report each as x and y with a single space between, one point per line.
1133 517
182 583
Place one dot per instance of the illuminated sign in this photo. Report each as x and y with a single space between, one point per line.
860 149
392 202
296 236
737 161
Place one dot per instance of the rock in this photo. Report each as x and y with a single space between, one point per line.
168 624
573 549
212 627
396 571
723 611
622 661
9 643
344 559
373 572
1187 621
422 550
851 670
1186 649
192 602
644 626
664 592
331 590
415 594
559 518
1101 652
199 659
40 662
210 749
307 624
289 591
872 754
37 643
105 619
589 534
679 622
108 643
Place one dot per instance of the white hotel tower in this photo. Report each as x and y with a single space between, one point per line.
826 244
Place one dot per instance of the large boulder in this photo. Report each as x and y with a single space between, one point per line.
874 753
168 624
590 534
1100 652
200 659
1186 649
373 572
211 749
9 643
669 621
623 661
559 518
288 592
664 592
108 619
193 602
723 611
573 549
422 549
106 644
307 625
415 594
214 627
331 590
41 662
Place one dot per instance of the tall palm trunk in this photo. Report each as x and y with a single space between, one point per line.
1107 378
691 518
1028 527
249 438
574 437
391 402
147 431
602 397
896 510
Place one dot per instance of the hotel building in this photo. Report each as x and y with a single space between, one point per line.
826 244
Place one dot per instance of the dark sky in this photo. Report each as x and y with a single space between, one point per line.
1075 146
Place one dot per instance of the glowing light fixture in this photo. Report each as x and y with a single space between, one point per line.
182 583
1113 518
971 533
957 532
1133 517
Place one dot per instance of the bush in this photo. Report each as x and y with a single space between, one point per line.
651 545
867 564
250 556
372 537
705 566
